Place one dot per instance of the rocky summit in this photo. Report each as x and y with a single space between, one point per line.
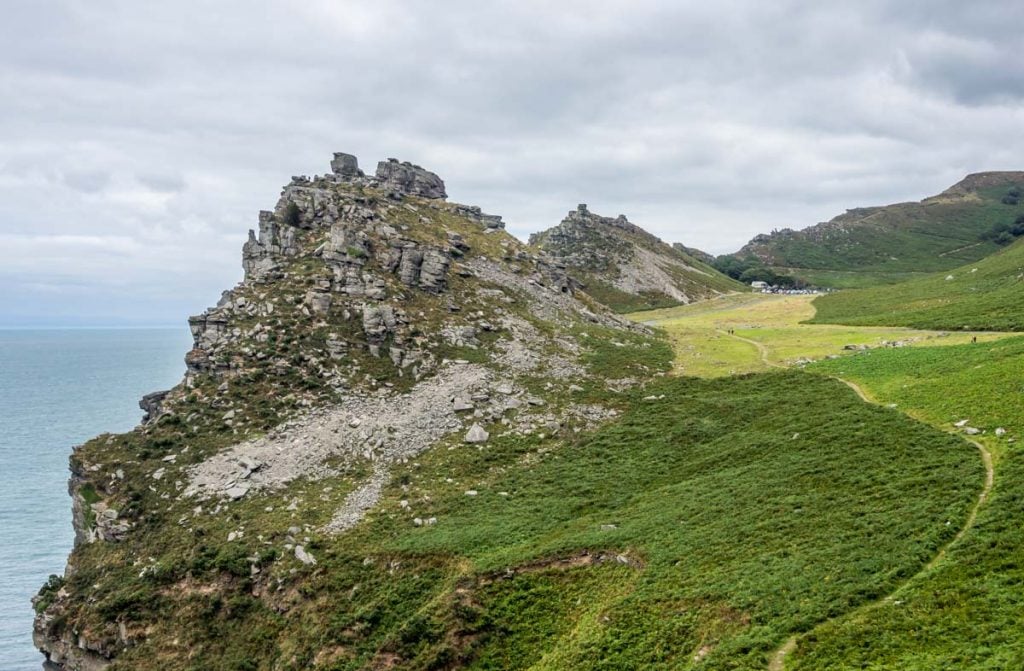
627 268
375 321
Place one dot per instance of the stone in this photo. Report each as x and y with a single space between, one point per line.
318 301
460 404
1000 431
345 165
434 271
373 324
249 464
152 405
406 178
303 556
971 431
477 434
238 491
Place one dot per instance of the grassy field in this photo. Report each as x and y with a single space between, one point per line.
700 530
704 349
985 295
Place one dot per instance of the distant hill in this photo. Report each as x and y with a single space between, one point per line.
884 245
627 268
981 296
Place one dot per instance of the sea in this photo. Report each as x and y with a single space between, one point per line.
58 388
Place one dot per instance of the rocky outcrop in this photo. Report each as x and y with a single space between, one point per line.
67 652
151 405
408 179
626 266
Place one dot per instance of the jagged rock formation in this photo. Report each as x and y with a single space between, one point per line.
881 245
374 322
624 266
407 178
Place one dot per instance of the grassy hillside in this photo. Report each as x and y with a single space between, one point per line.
704 526
878 245
965 613
985 295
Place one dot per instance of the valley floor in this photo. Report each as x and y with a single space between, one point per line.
962 609
769 331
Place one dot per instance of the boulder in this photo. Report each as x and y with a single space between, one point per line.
477 434
345 165
303 556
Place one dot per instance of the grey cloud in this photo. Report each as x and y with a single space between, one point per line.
167 126
162 182
86 181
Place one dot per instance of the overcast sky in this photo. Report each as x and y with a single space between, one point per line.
138 140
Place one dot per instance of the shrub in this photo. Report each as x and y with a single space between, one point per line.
1004 238
292 215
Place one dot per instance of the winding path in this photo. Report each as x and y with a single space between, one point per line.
778 658
762 350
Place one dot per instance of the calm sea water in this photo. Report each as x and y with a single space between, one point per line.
58 388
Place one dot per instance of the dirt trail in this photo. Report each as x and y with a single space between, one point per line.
761 349
778 658
959 249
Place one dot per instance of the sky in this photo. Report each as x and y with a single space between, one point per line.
139 140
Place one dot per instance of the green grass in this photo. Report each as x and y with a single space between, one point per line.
880 245
982 296
965 613
697 333
739 521
982 382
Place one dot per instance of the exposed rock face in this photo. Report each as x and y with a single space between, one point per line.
342 355
151 405
406 178
68 653
345 165
613 253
